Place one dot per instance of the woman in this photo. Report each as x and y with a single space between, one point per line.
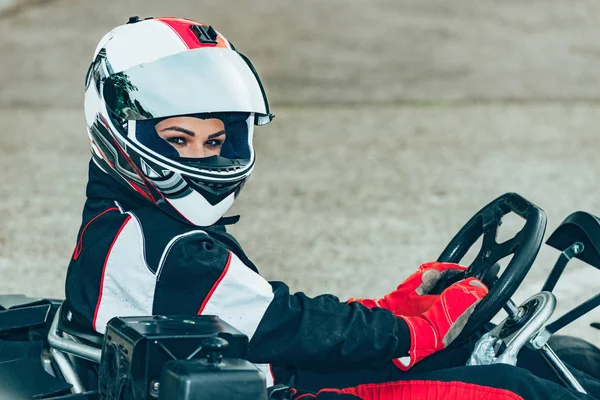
171 107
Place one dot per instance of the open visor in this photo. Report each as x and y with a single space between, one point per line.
226 154
203 80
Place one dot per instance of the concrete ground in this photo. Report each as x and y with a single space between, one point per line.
396 121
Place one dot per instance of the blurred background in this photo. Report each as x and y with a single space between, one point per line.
396 121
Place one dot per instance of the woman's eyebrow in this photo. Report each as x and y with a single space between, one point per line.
179 129
216 134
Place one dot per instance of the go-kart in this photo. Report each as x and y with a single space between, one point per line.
44 354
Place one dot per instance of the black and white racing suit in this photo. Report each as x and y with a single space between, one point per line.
133 259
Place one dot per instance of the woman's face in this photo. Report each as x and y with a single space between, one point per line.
193 137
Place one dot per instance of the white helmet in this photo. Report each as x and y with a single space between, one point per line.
156 68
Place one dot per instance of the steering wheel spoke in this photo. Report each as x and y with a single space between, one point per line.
505 248
491 251
490 233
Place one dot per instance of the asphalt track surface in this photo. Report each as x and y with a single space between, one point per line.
396 121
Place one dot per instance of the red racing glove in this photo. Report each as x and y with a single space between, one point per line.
411 297
437 327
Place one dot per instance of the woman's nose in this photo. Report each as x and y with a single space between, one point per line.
197 150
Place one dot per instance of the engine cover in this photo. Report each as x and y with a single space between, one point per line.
137 348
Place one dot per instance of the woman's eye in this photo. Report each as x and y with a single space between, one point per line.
177 140
213 143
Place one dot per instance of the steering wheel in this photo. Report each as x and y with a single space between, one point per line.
524 246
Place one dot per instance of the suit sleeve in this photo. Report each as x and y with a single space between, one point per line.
283 328
322 331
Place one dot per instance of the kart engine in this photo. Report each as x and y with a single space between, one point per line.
177 358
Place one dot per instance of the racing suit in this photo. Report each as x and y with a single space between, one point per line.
133 259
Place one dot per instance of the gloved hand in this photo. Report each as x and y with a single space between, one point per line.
437 327
411 297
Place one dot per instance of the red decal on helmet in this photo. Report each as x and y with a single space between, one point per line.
182 28
141 191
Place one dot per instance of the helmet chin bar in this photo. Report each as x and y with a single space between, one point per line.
525 325
216 192
196 209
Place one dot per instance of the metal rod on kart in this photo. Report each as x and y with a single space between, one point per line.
561 264
574 314
67 371
556 362
513 311
69 346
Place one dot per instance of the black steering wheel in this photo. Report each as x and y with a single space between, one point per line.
524 246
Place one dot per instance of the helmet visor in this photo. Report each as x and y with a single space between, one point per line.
203 80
